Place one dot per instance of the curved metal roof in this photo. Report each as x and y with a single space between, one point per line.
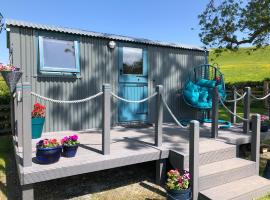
19 23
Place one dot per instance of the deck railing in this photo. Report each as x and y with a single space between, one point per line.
22 117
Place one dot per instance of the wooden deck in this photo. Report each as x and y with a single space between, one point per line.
128 146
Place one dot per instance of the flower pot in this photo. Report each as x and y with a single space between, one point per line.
11 78
178 194
264 128
69 151
37 127
48 155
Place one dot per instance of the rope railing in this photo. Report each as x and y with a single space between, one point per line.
260 98
134 101
172 115
64 101
234 114
238 94
235 100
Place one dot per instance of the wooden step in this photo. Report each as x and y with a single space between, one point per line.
210 151
224 171
244 189
213 151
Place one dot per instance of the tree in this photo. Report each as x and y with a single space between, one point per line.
233 23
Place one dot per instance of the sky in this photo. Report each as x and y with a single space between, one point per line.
164 20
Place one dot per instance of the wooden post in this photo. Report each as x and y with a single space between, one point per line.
26 125
160 171
265 92
19 116
246 110
215 102
255 141
106 119
268 100
234 107
12 121
269 106
194 158
159 116
27 192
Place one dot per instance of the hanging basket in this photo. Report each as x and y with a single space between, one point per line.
11 78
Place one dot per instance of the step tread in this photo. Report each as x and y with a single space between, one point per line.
224 165
213 145
236 189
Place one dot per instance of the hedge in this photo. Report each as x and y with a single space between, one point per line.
4 92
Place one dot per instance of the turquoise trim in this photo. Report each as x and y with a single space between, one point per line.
47 69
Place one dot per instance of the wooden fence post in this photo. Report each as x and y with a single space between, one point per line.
194 158
255 141
215 102
268 105
19 116
246 110
234 107
106 118
26 125
159 116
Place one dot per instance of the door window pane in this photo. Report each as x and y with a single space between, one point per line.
132 60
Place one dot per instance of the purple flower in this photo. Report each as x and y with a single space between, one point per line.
74 137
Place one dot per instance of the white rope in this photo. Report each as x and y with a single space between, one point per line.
66 102
235 100
173 116
260 98
133 101
238 93
222 103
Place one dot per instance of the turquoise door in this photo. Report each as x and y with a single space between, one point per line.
132 83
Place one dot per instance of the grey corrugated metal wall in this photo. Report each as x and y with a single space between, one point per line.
99 64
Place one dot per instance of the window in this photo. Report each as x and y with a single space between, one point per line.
132 60
58 55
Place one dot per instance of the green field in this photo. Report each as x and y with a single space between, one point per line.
243 65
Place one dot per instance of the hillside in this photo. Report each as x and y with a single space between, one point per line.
241 66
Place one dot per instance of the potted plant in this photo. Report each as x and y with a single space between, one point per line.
11 75
177 185
70 145
38 119
264 123
48 151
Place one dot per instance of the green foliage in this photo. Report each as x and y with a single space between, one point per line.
244 65
221 23
4 92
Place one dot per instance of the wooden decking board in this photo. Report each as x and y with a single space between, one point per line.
128 146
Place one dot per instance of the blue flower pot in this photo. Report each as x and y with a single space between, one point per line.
37 127
48 155
179 194
69 151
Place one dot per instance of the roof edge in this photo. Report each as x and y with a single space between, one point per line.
19 23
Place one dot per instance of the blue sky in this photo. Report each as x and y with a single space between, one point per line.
170 20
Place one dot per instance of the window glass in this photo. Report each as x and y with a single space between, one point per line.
59 53
132 60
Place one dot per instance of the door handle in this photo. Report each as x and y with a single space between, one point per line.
121 72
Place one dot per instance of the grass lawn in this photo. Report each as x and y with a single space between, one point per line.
241 66
256 107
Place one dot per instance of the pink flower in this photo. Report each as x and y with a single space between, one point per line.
74 137
45 142
64 140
